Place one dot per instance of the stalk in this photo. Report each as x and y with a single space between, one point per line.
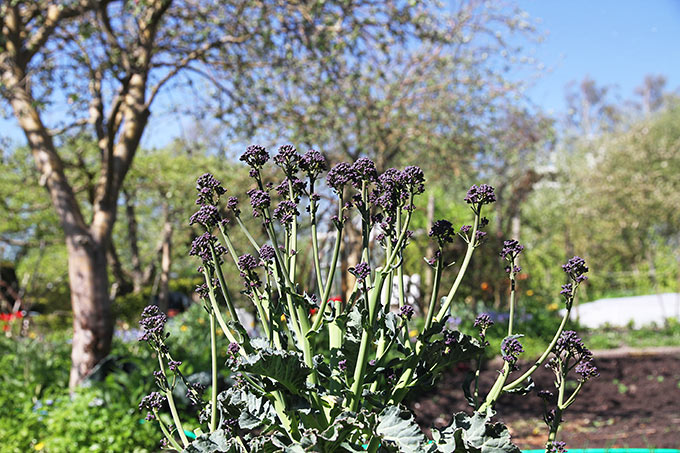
223 286
173 408
331 274
252 240
463 268
497 388
166 433
213 392
360 368
315 244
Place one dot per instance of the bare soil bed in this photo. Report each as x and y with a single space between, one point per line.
634 403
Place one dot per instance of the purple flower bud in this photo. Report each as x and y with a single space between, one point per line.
567 291
201 247
232 205
207 215
286 211
153 400
267 253
340 175
255 156
361 271
511 348
342 365
313 163
259 200
233 348
415 179
152 322
586 369
511 249
364 171
483 321
443 231
174 365
433 261
247 262
406 312
288 159
576 269
209 189
556 447
480 195
465 229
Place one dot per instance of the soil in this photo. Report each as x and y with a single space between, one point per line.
634 403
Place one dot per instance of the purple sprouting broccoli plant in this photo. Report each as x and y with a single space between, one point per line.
322 368
570 357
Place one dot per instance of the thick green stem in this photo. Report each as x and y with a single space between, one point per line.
216 309
173 408
252 240
166 433
433 298
331 274
512 300
497 389
362 358
223 286
213 391
446 305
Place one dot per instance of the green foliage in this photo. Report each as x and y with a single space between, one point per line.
650 336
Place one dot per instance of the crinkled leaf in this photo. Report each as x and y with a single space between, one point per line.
216 442
252 411
473 434
350 323
438 355
284 367
397 425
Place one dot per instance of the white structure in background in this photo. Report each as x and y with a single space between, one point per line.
411 292
620 311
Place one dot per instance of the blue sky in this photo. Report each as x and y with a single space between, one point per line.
614 42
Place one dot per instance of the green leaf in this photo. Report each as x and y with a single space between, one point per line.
214 442
397 425
284 367
474 434
251 411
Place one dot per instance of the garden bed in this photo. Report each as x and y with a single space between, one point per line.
634 403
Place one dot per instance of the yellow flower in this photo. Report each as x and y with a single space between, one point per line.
413 333
283 318
530 292
201 321
219 331
32 335
39 446
553 306
183 328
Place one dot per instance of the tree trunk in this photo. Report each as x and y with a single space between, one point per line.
88 277
92 320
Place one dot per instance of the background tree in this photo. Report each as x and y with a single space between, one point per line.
109 60
431 100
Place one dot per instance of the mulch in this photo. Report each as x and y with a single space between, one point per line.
634 403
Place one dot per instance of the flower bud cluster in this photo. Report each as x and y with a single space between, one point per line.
442 231
511 348
361 271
